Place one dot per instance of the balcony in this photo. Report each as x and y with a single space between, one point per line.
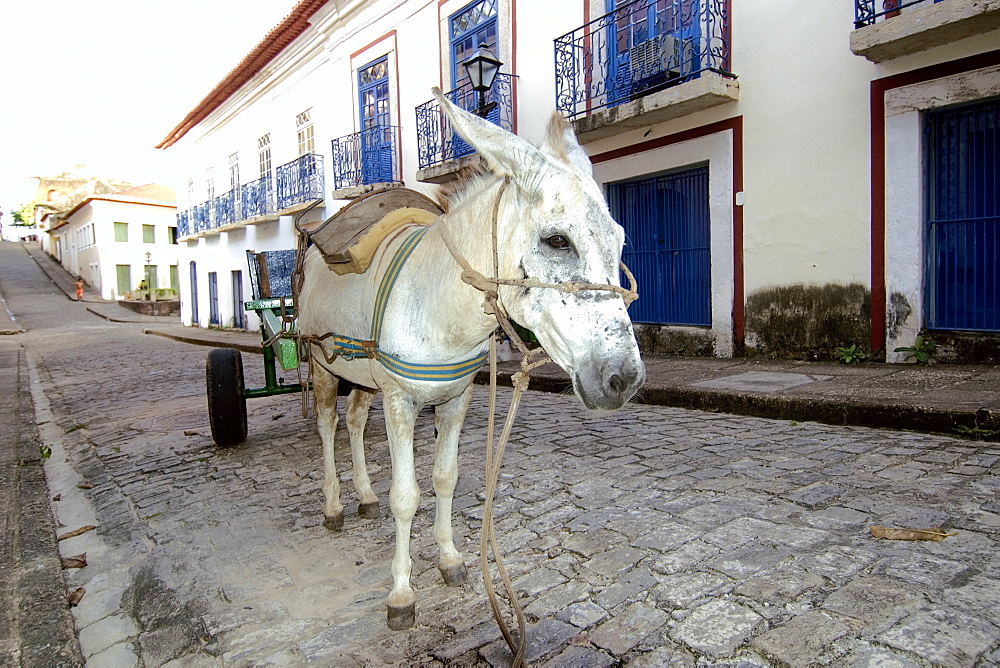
224 208
201 215
440 151
300 181
887 29
257 199
366 161
184 224
646 62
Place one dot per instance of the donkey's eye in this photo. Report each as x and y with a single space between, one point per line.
558 241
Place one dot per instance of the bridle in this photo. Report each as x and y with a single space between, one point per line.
489 286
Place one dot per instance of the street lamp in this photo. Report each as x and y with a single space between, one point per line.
482 67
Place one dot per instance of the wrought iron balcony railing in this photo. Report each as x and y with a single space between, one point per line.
366 157
437 142
867 12
184 223
638 49
257 198
300 180
225 208
202 217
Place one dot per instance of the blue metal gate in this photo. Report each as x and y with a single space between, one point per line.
963 218
667 245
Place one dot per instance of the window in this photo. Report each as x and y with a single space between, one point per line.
148 234
171 235
209 184
234 178
474 25
121 231
264 155
304 128
191 199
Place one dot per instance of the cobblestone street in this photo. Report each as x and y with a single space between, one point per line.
650 536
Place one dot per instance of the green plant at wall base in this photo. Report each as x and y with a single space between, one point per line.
44 452
921 350
978 433
852 354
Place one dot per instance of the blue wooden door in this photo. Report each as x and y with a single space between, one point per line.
667 245
213 299
239 313
194 294
963 218
376 139
475 24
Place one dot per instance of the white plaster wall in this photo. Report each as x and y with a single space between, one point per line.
133 252
717 150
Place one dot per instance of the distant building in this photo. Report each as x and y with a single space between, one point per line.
792 177
114 241
56 195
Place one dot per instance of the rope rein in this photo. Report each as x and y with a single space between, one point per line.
489 286
530 359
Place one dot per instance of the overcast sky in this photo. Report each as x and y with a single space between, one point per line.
101 83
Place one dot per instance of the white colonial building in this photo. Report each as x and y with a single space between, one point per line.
116 241
792 177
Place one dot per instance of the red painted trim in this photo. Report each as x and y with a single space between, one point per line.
441 42
735 125
879 87
391 33
513 62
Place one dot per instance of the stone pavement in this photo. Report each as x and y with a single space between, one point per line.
652 536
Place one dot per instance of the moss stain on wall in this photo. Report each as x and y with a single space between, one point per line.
807 321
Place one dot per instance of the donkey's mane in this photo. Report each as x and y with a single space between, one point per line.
471 180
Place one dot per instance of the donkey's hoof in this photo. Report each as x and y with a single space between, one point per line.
369 511
455 575
402 617
334 522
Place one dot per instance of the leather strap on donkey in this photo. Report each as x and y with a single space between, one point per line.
352 348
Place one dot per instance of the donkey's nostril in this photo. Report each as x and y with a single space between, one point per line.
617 383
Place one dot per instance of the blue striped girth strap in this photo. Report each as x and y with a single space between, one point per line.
351 348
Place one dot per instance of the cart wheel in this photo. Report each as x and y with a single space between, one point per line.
227 407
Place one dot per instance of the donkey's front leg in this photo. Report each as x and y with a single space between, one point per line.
448 418
325 396
359 401
404 497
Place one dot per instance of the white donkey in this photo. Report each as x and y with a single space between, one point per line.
427 334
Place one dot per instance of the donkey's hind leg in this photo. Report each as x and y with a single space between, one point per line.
448 418
325 396
359 401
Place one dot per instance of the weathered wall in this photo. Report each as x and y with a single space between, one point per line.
806 321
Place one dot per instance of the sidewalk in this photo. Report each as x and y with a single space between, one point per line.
943 398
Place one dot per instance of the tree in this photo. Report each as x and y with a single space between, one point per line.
23 215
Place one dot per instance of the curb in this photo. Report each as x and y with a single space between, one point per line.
776 407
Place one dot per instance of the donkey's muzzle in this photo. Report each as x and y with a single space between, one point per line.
610 386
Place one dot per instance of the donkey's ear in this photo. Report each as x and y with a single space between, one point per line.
505 153
560 142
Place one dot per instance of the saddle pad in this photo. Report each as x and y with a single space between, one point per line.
348 239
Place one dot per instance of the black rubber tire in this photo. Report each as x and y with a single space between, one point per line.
227 407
